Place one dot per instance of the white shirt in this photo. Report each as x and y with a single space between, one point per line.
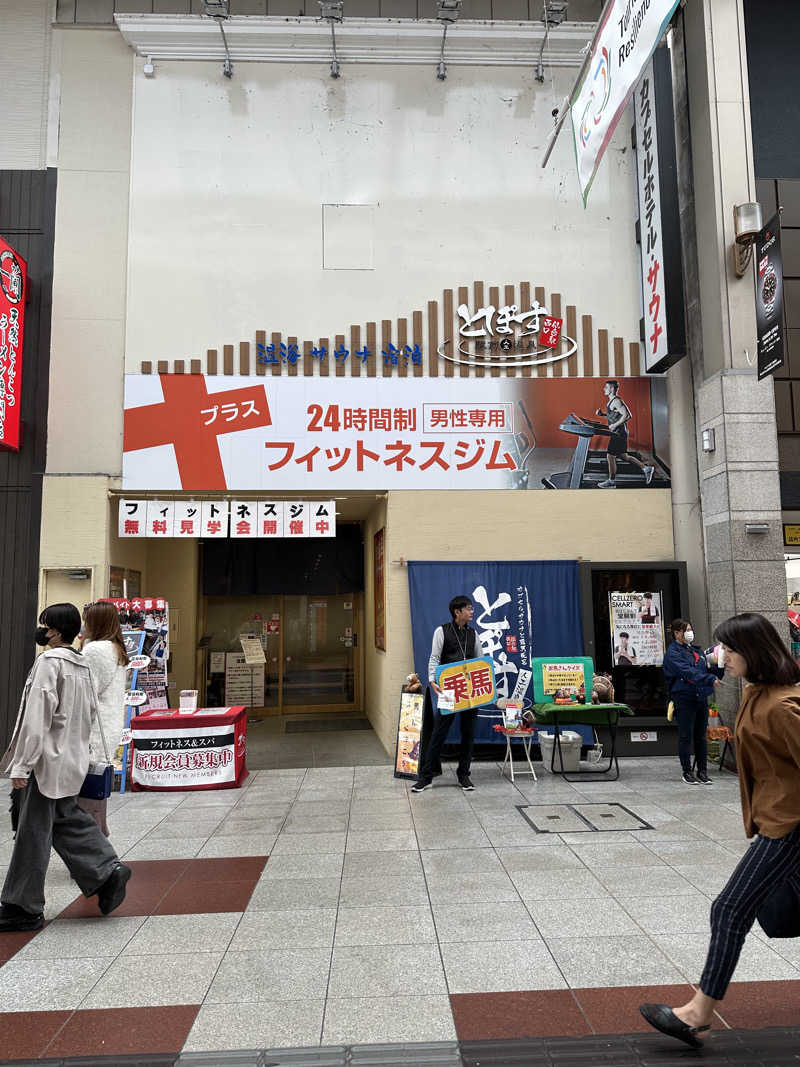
109 681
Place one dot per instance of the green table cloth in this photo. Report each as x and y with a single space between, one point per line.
580 714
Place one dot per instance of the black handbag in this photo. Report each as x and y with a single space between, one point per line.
779 915
99 780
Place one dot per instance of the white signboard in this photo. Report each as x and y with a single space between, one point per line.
244 684
625 39
637 629
248 518
189 757
214 518
654 296
253 649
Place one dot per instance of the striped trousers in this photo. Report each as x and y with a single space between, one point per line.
767 863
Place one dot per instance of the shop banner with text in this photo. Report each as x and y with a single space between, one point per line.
270 435
13 292
522 610
626 37
769 298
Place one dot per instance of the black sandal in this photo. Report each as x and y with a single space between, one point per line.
663 1018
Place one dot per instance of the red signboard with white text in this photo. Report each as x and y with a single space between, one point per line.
13 289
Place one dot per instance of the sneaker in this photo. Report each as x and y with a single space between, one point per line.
466 783
112 892
648 474
421 785
609 483
703 777
689 778
16 920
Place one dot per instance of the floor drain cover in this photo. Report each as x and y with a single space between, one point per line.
581 818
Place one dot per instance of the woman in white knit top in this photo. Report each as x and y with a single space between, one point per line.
104 650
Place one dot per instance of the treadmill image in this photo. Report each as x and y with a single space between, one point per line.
588 467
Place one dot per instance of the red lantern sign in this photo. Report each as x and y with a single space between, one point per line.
13 289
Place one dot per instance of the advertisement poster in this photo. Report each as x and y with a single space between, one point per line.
13 292
148 616
471 682
379 587
333 433
561 679
409 731
769 298
637 629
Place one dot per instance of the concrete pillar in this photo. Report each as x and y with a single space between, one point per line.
738 481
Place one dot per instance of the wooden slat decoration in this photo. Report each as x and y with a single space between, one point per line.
353 359
525 303
510 297
636 368
292 366
463 298
211 361
477 289
371 345
572 331
602 353
308 359
386 340
227 359
244 358
341 364
324 363
261 339
587 344
147 367
433 339
277 368
163 366
179 366
402 341
195 366
619 357
448 322
494 300
416 339
555 311
541 371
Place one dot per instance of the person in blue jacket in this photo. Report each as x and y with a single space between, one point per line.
690 682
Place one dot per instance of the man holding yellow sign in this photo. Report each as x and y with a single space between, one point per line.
460 682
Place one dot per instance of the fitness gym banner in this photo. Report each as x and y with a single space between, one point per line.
208 433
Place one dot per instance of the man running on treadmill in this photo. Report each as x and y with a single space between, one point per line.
618 414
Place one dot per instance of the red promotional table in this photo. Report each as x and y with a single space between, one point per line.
204 749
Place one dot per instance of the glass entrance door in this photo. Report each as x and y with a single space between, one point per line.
310 645
319 652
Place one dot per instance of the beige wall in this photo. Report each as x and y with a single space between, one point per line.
502 525
94 83
74 531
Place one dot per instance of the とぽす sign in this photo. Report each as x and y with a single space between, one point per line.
470 681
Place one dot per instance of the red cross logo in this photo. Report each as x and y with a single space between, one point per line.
191 419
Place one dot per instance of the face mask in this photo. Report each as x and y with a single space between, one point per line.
41 635
688 636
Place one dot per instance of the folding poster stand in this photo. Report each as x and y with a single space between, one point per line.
134 643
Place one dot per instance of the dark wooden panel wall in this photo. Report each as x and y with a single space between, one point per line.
27 218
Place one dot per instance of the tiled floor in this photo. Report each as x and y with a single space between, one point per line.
380 916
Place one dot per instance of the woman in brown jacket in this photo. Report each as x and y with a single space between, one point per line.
767 737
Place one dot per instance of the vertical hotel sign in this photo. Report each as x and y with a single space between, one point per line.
626 36
13 289
663 329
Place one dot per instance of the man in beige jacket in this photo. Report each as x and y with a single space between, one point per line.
47 762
